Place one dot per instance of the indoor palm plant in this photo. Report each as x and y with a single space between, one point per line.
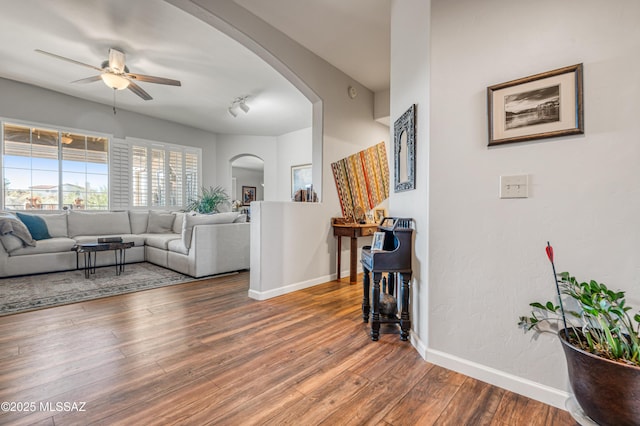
209 201
600 338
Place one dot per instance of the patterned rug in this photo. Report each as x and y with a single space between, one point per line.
21 294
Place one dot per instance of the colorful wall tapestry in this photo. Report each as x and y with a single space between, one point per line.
362 179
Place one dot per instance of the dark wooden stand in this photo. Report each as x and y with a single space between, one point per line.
395 261
353 231
90 251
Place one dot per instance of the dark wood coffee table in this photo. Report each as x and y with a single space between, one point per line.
90 251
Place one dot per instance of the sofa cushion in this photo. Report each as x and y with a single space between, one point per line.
56 224
51 245
204 219
177 246
98 223
160 241
160 222
36 225
139 220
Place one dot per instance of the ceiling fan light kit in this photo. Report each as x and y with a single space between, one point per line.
115 81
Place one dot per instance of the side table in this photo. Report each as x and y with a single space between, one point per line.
353 231
90 251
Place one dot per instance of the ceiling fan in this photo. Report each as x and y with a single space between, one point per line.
115 74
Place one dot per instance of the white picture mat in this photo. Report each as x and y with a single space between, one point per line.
568 114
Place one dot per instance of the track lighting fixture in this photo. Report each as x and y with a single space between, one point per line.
239 102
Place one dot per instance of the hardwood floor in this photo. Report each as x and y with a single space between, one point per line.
204 353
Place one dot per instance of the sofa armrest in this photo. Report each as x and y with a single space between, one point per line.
4 258
220 248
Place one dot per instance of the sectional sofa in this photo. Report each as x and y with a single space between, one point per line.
195 245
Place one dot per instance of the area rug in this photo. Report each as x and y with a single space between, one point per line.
27 293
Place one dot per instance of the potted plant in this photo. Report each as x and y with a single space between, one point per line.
210 200
600 339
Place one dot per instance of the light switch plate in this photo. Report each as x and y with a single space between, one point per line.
514 186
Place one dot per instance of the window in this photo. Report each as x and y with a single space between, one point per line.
52 169
163 175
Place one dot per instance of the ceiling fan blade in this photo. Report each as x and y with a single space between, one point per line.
88 79
139 91
116 61
53 55
152 79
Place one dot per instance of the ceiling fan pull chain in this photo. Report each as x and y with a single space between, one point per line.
114 101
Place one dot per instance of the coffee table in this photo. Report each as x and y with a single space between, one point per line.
90 251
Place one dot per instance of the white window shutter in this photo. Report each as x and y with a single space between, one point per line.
120 182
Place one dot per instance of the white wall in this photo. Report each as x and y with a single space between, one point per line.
410 85
25 102
486 257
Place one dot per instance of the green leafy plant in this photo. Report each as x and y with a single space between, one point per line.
209 201
601 323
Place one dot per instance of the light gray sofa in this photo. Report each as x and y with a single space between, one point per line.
195 245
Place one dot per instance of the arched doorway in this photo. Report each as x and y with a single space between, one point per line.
247 179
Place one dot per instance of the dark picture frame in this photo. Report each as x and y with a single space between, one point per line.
404 150
545 105
248 195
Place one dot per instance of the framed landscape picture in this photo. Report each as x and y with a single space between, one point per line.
540 106
248 194
378 241
300 178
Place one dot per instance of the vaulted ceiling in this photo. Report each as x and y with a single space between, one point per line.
159 39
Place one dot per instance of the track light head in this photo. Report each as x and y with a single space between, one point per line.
239 102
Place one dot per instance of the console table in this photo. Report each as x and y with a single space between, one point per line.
90 251
353 231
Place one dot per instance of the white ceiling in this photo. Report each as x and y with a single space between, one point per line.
352 35
161 40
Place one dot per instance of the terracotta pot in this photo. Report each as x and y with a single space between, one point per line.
607 391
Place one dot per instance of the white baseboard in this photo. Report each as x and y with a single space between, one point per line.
519 385
264 295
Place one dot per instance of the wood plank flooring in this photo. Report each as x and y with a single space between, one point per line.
203 353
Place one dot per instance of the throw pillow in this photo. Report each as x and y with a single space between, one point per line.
177 223
56 224
81 223
160 222
36 225
204 219
139 221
